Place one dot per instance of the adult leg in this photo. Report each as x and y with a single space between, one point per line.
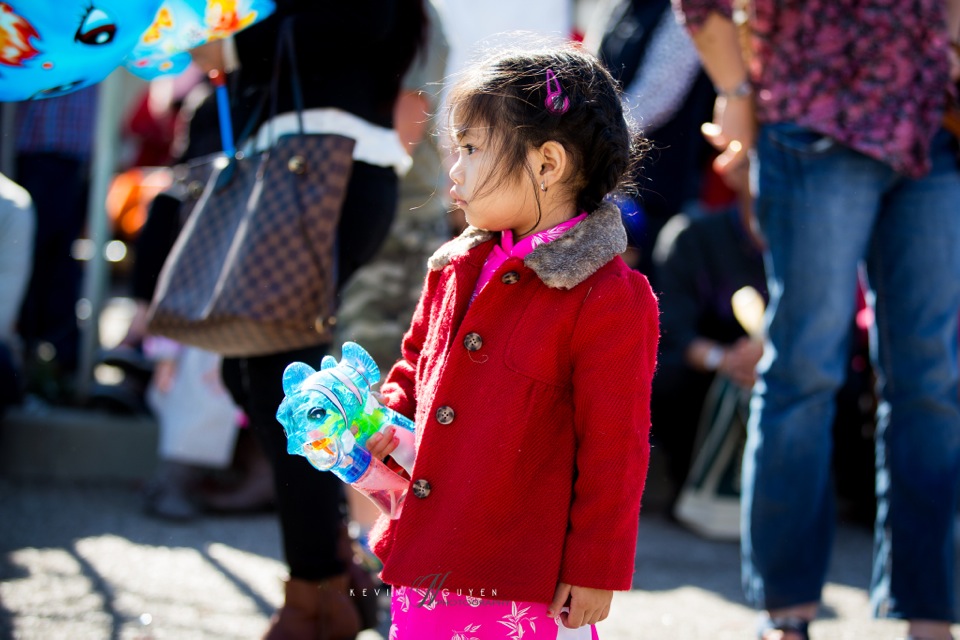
817 202
310 504
914 268
11 381
48 313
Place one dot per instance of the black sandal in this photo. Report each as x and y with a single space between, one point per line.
786 625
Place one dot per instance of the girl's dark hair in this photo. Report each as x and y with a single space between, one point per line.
508 94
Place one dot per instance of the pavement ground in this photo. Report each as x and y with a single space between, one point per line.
79 559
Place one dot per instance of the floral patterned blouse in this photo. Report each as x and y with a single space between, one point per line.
872 74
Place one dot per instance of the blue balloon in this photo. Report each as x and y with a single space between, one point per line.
182 25
52 47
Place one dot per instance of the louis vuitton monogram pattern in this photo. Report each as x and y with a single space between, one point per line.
253 270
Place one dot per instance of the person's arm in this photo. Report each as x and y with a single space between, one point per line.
398 390
953 32
679 269
733 129
613 350
953 19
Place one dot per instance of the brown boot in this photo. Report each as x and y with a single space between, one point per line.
315 611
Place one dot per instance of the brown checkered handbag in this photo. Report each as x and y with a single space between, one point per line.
253 270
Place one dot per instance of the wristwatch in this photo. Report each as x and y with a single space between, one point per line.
713 358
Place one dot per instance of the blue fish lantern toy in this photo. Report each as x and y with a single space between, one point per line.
328 416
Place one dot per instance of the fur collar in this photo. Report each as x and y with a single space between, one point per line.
563 263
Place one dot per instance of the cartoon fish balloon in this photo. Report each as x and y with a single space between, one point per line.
181 25
52 47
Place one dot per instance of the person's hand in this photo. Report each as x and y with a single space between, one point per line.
732 133
380 445
740 361
953 54
587 606
209 56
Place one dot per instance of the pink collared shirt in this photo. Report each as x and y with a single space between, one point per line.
507 248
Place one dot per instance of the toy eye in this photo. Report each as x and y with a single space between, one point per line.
96 28
316 413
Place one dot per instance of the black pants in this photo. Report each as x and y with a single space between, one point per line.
311 502
11 379
57 184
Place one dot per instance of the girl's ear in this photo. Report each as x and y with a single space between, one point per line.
554 162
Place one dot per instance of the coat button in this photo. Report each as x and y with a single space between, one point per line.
445 415
473 342
421 488
510 277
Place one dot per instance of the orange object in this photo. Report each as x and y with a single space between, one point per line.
130 195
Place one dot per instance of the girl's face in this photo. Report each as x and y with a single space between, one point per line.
490 201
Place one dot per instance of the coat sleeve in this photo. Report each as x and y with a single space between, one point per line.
614 351
399 386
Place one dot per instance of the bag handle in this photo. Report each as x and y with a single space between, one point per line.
285 44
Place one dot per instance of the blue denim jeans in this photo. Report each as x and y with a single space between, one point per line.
827 211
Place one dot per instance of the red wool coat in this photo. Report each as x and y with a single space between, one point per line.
532 409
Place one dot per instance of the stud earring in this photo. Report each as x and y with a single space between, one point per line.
543 186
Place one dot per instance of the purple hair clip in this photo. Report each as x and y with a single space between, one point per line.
556 102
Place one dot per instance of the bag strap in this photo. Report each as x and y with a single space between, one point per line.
285 44
627 37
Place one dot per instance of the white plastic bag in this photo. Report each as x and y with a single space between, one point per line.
198 419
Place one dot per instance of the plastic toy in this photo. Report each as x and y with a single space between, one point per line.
52 47
181 25
328 416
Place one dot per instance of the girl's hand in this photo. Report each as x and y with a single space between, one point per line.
380 445
587 606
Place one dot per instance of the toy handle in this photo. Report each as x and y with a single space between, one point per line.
369 476
383 487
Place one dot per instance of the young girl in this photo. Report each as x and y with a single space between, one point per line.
527 368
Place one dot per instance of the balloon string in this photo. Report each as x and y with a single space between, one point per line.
218 80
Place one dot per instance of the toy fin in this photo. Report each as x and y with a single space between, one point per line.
360 360
294 375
